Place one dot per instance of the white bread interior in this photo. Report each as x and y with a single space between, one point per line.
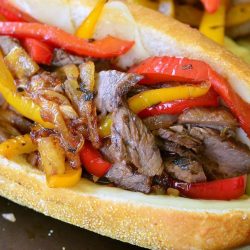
157 222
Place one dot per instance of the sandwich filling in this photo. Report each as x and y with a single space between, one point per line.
167 125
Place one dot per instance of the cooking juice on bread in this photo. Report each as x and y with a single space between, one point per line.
166 123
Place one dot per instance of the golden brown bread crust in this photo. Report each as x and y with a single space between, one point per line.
154 227
147 221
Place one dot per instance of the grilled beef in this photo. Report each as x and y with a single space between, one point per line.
123 176
181 139
185 169
161 182
19 122
180 150
62 58
212 118
159 121
172 148
107 151
232 158
7 131
131 142
111 86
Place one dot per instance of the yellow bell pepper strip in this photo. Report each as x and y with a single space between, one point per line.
147 3
238 14
105 125
20 103
178 106
69 179
87 28
16 146
5 75
154 70
167 7
149 98
24 105
213 24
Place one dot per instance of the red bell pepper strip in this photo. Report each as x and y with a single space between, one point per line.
237 105
11 13
211 5
162 69
93 161
2 18
226 189
178 106
106 48
183 69
40 52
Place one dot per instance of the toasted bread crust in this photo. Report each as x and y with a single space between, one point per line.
157 222
136 222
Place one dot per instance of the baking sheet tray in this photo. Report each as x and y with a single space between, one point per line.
34 231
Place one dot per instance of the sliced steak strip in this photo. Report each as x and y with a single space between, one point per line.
19 122
173 148
62 58
232 157
111 86
212 169
132 143
185 169
181 139
212 118
106 150
159 121
123 176
7 44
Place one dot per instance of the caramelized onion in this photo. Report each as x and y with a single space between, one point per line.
87 74
51 113
45 80
73 160
20 64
